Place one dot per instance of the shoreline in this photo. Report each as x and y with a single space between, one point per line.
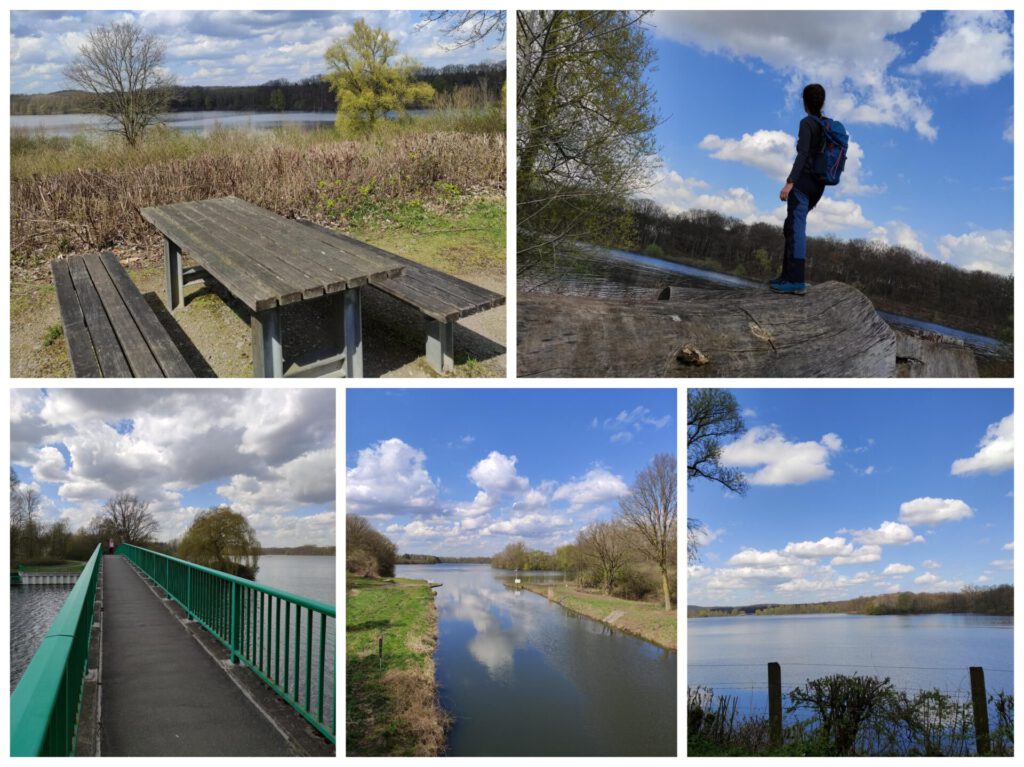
643 620
391 702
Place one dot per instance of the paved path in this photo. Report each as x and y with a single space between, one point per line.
162 693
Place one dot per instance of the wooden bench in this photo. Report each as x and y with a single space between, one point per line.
440 297
109 328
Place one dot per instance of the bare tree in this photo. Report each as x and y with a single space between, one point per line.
605 544
467 28
650 512
711 415
130 519
121 65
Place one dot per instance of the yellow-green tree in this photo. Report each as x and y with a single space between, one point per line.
369 80
222 539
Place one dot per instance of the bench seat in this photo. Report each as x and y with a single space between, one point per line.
440 297
110 330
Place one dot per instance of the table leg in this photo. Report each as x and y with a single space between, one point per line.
352 321
441 345
267 360
173 274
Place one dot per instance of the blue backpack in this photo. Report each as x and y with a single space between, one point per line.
830 162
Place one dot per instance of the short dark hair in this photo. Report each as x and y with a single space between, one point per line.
814 99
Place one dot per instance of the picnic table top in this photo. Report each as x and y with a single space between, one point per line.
266 260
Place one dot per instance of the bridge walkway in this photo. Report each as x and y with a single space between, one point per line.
162 694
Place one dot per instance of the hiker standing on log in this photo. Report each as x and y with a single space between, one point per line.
820 157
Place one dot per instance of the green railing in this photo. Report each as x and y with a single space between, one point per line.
293 652
46 702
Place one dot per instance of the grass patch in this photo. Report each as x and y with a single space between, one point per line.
643 619
67 566
391 704
53 333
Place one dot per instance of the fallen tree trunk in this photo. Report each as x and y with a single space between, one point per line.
923 354
833 331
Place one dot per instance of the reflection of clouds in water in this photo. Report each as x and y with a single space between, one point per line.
501 619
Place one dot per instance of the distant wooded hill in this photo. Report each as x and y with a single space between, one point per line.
308 95
430 559
304 551
994 600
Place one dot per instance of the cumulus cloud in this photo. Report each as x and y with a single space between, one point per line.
975 48
934 511
898 233
826 547
390 478
851 53
926 579
982 250
597 486
930 564
780 461
887 534
897 569
995 451
862 556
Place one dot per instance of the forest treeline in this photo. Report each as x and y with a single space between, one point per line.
430 559
982 600
311 94
302 551
895 278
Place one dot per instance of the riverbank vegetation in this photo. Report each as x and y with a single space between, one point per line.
391 706
308 550
844 715
430 559
980 600
368 553
646 620
223 539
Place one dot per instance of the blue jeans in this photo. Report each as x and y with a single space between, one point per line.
794 256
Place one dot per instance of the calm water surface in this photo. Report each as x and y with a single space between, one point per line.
524 676
33 609
916 652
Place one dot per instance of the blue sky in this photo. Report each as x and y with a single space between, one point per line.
226 47
467 471
267 453
857 492
926 97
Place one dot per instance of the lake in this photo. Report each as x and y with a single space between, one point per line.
33 609
187 122
523 676
917 652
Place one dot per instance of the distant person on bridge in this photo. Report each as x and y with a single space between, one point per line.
803 189
110 546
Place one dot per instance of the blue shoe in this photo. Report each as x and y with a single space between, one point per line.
776 282
793 288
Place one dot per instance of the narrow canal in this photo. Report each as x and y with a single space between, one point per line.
523 676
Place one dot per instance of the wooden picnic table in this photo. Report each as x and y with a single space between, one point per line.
267 261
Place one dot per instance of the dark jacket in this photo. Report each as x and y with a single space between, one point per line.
810 142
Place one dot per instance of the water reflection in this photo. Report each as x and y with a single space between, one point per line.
524 676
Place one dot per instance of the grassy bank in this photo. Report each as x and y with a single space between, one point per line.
391 707
646 620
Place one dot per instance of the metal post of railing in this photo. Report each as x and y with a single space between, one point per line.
234 622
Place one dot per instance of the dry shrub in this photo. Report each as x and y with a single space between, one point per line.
414 705
81 210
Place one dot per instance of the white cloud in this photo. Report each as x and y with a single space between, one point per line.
781 462
826 547
497 474
869 470
390 477
995 453
933 511
597 486
757 558
973 49
982 250
851 53
926 579
527 524
49 465
898 569
930 564
773 152
887 534
898 233
862 556
1008 546
1002 564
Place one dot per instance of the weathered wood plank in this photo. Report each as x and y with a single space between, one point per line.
248 286
133 345
833 331
113 363
170 359
76 335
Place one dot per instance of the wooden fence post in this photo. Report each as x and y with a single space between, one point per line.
979 700
775 703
